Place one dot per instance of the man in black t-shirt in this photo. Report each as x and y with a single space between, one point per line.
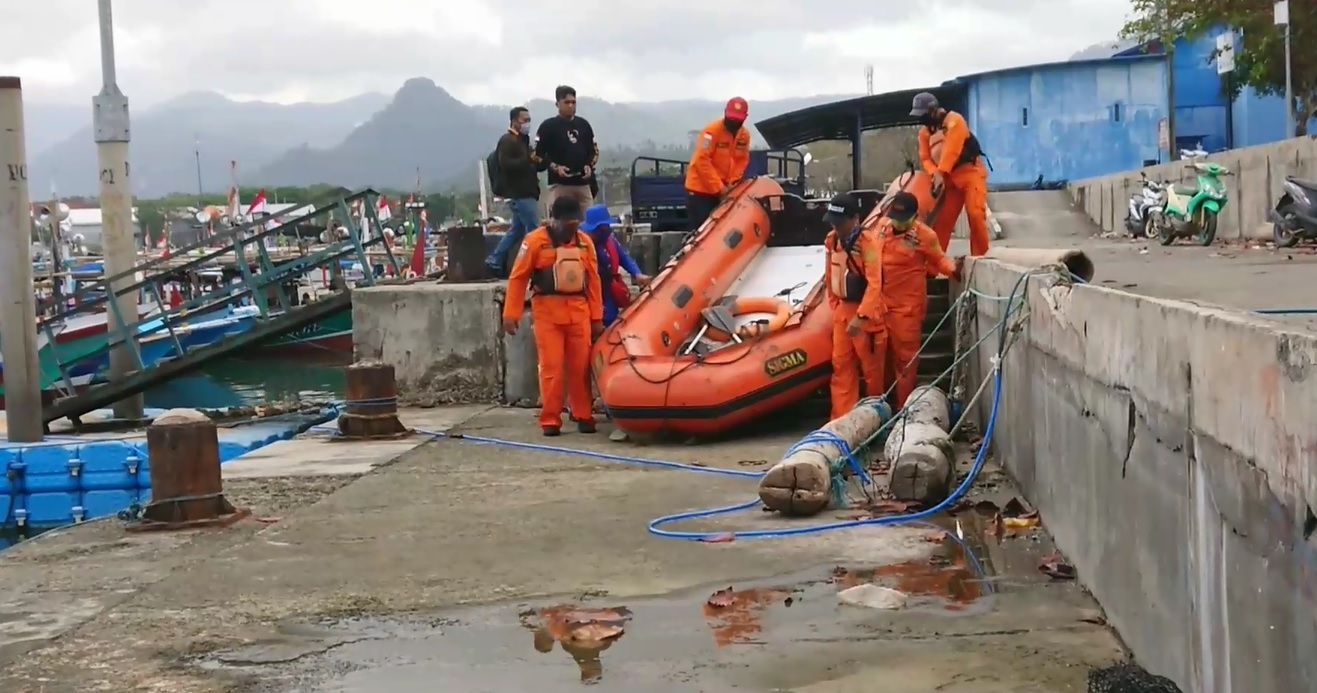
565 145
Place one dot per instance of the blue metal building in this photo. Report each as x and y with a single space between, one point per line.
1069 120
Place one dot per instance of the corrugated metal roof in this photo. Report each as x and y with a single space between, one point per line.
965 79
836 120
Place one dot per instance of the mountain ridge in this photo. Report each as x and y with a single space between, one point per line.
370 139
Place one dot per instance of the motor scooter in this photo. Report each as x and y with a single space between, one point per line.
1149 198
1192 210
1295 217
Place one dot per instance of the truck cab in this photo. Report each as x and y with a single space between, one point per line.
658 186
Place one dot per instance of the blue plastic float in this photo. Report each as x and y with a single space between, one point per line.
66 479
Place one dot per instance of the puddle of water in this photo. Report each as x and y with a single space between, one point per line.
710 639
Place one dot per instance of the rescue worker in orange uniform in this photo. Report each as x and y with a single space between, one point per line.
722 151
910 252
960 170
558 264
855 293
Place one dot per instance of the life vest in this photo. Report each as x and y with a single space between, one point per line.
846 269
614 287
566 276
968 154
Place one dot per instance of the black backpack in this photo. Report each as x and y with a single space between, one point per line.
495 174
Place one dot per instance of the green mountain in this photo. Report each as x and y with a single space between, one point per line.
165 142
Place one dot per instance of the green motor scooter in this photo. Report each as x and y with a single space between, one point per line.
1192 210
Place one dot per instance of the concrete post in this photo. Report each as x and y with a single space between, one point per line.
111 122
18 303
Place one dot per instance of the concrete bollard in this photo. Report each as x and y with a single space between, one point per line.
371 411
186 487
919 448
800 485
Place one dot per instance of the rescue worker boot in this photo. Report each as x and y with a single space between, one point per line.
586 427
551 431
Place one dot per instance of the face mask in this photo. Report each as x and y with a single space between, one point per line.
902 226
524 128
732 125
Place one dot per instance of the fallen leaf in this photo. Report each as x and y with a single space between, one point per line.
269 520
1021 522
752 463
594 632
892 507
1014 508
1055 567
723 538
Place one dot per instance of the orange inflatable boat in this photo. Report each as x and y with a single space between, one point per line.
736 325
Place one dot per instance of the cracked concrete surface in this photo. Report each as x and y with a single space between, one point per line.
418 571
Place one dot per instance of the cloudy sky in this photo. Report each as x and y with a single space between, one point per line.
504 51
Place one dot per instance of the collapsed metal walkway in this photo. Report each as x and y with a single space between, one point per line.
269 309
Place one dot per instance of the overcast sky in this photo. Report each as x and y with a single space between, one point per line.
505 51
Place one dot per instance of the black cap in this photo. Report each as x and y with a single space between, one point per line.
923 103
565 209
841 207
903 207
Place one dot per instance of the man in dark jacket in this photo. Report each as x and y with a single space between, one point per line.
565 144
521 185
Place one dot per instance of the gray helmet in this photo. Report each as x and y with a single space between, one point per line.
923 103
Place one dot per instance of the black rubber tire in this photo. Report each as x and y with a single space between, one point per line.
1166 233
1207 231
1283 236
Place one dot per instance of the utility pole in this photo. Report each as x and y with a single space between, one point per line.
18 301
1281 11
111 122
201 192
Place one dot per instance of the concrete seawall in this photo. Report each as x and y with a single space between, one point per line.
1259 173
1171 451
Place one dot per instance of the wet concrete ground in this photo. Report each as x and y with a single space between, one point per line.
434 572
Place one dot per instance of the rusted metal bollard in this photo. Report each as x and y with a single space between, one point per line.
186 488
371 411
466 254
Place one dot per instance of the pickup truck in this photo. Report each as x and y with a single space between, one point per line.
658 186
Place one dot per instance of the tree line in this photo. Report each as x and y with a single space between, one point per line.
1259 45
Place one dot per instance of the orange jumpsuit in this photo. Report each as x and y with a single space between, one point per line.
855 288
719 160
567 297
961 164
908 259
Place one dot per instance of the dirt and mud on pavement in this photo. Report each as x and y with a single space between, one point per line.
475 567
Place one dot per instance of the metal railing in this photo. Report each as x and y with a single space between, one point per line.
261 276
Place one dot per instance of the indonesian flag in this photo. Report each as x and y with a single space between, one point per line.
257 205
418 252
382 211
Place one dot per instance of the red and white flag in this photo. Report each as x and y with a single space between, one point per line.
382 210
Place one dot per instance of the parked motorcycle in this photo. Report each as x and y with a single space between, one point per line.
1147 199
1192 210
1295 216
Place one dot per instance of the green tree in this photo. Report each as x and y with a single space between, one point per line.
1259 52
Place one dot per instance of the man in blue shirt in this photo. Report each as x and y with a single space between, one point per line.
612 258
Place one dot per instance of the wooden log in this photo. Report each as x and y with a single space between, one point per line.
800 484
919 449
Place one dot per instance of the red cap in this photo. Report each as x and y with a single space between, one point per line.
737 109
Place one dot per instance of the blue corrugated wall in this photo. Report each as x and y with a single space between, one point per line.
1068 121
